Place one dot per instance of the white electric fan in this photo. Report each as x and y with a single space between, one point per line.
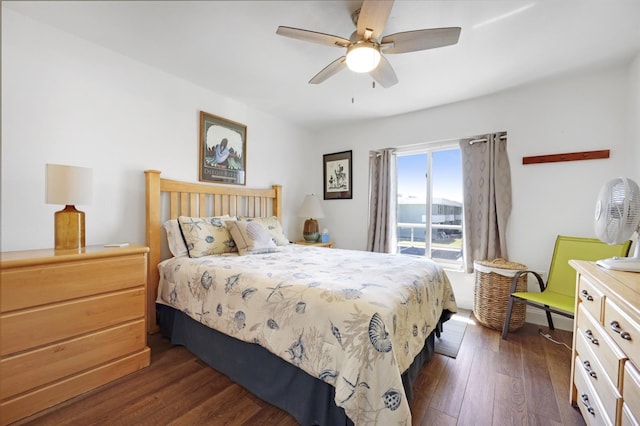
617 218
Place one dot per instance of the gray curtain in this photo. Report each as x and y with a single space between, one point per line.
487 197
381 236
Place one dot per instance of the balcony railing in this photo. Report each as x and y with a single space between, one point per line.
445 244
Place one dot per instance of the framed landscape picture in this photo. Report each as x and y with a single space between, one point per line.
337 176
223 150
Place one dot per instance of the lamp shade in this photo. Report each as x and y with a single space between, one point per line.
69 185
311 207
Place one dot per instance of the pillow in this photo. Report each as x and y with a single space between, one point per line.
174 239
272 225
251 237
205 236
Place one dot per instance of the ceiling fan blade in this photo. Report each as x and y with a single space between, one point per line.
373 16
411 41
328 71
312 36
384 73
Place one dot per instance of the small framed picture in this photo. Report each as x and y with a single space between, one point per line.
223 150
337 176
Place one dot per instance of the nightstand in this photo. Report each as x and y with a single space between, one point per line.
315 243
70 321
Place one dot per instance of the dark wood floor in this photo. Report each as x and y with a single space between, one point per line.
524 380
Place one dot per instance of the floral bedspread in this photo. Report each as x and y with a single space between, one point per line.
351 318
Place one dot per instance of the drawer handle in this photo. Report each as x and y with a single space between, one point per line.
588 369
592 339
615 326
586 295
585 401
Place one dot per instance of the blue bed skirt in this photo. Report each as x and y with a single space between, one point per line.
308 399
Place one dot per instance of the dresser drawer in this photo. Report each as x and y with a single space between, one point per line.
31 286
599 379
631 389
40 398
36 368
628 419
40 326
591 297
603 347
588 400
623 329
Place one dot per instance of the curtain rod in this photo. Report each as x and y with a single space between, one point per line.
471 142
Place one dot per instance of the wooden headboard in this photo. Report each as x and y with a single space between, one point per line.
167 199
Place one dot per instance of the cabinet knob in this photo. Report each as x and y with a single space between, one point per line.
587 366
586 295
585 401
615 326
590 337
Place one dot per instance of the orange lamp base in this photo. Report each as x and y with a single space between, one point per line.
69 229
310 231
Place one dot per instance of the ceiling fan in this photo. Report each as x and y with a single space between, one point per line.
365 46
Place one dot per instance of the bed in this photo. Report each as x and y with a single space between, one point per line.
331 336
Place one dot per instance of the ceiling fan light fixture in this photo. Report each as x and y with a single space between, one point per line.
363 56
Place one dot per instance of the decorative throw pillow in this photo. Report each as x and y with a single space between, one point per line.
205 236
272 225
251 238
175 240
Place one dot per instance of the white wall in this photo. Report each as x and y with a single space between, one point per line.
580 112
68 101
634 115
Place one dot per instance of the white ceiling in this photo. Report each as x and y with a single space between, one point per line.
231 48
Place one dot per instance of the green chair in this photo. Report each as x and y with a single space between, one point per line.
558 295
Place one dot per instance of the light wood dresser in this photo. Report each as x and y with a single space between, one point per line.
605 368
70 321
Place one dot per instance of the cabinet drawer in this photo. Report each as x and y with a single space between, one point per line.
39 285
588 400
631 389
40 326
591 297
32 369
623 329
599 379
40 398
627 419
603 347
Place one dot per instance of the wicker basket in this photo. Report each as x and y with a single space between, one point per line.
491 293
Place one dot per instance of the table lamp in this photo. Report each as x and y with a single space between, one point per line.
69 185
312 210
